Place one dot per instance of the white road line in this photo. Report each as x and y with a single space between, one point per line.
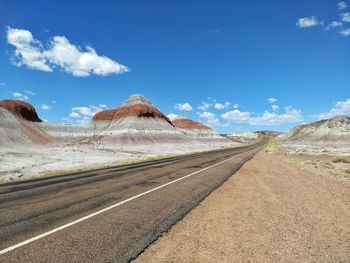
30 240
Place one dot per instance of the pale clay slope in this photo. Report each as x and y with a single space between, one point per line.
323 137
269 211
244 136
28 149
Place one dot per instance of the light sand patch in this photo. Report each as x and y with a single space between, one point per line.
269 211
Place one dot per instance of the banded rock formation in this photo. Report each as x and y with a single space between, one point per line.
19 124
21 109
135 121
193 128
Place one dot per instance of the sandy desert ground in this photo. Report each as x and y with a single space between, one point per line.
18 163
276 208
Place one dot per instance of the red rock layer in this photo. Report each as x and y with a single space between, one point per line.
21 109
139 110
183 123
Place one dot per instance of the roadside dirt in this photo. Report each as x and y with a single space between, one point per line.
269 211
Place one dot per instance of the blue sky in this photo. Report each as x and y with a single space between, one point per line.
72 58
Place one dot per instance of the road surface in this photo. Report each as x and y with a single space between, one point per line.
108 215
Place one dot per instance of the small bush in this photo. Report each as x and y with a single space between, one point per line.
341 160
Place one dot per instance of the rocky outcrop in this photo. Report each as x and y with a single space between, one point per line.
15 131
182 122
194 129
136 121
244 136
135 106
21 109
336 129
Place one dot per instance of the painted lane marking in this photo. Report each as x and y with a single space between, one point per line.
30 240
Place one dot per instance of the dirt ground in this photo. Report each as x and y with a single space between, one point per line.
269 211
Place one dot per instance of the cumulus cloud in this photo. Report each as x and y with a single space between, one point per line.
172 116
45 107
345 32
289 115
2 84
236 116
272 100
183 106
333 24
221 106
210 117
87 111
345 17
274 107
342 5
267 118
235 106
103 106
214 122
204 106
207 115
59 53
28 50
74 114
339 108
20 96
308 22
29 92
83 114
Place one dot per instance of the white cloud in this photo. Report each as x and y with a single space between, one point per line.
28 50
345 32
274 107
60 53
45 107
207 115
272 100
308 22
103 106
211 119
345 17
271 118
29 92
2 84
236 116
74 114
183 106
204 106
334 24
87 111
220 106
235 106
172 116
20 96
53 102
339 108
267 118
83 114
342 5
214 122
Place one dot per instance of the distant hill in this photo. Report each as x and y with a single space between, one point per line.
336 129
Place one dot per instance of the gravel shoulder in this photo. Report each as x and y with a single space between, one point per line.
269 211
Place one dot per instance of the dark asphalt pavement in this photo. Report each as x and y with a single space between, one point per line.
31 208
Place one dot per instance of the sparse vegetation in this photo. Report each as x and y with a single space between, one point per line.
341 159
2 181
273 147
49 173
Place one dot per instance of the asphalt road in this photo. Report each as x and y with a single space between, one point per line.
108 215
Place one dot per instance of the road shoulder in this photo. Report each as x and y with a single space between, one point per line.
268 211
